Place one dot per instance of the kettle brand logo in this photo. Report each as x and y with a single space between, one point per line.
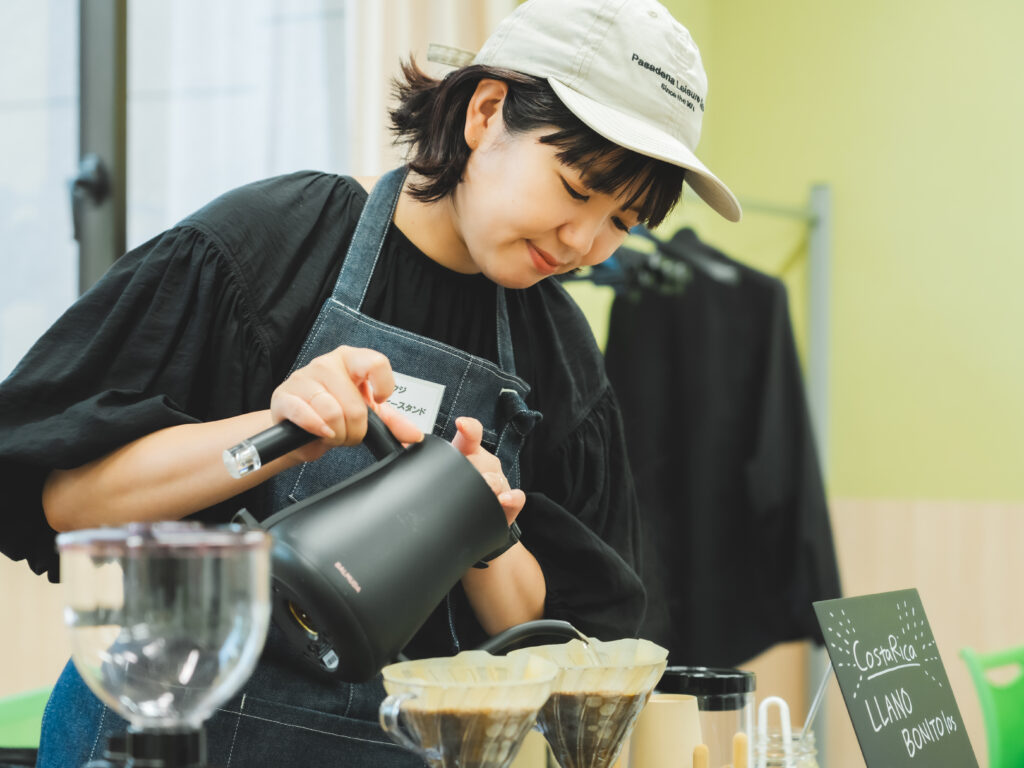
680 90
348 576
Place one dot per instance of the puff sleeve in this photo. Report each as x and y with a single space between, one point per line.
148 347
589 555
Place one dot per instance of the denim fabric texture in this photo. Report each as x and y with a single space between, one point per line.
475 387
282 717
320 725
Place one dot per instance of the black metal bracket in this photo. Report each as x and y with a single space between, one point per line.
90 186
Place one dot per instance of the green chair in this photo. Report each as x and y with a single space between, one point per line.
21 717
1002 703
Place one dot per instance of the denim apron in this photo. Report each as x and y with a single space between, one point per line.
284 718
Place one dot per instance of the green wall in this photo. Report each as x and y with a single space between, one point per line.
913 112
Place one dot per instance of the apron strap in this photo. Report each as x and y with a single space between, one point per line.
506 355
367 244
368 239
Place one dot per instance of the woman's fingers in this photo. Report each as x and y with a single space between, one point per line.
369 366
469 440
511 499
400 426
321 407
287 403
497 482
512 503
342 406
469 435
328 396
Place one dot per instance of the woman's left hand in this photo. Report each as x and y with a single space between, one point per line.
511 589
468 440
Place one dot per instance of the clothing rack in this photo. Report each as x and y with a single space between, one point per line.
817 217
640 269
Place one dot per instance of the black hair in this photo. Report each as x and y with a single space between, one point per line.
430 118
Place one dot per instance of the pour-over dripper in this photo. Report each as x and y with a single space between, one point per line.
599 692
167 620
471 710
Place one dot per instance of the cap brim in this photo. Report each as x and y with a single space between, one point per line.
644 138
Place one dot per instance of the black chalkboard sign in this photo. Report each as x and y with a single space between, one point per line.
893 681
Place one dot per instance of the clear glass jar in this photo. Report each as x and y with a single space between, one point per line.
770 751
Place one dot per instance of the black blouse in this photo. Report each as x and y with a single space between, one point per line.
205 320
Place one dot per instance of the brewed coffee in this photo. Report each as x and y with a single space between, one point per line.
598 695
587 730
468 738
471 710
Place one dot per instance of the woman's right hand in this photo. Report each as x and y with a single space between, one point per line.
329 397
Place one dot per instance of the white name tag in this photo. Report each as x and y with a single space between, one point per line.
418 400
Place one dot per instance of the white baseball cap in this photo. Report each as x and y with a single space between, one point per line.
626 68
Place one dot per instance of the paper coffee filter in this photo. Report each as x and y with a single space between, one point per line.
628 666
473 680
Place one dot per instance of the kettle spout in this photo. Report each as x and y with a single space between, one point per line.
542 627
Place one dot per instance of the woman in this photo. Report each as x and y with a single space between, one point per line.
575 122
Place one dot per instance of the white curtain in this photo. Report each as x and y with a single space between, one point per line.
39 140
220 93
228 92
381 33
223 93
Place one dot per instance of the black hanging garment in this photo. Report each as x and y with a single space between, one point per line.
737 539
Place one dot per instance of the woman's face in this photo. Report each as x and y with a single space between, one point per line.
524 216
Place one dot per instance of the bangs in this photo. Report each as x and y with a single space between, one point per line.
652 186
430 117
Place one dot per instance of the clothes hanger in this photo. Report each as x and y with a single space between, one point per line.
685 246
667 269
629 270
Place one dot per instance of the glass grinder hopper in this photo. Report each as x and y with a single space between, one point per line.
167 621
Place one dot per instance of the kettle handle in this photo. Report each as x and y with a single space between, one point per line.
527 629
378 438
285 436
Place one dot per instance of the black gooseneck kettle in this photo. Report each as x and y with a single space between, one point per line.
358 567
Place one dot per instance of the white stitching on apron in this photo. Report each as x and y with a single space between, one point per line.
238 719
451 622
432 343
99 730
317 730
455 398
310 340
